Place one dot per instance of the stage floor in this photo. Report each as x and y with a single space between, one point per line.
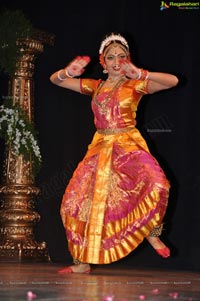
41 282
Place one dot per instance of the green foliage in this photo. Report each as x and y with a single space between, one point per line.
13 25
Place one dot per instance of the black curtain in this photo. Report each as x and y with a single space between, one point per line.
160 40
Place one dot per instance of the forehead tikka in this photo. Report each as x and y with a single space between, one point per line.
114 45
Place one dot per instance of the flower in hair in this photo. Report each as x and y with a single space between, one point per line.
111 38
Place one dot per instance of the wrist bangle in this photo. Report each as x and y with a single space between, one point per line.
59 77
143 74
147 76
139 74
67 73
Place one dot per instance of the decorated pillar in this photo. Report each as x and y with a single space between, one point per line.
18 190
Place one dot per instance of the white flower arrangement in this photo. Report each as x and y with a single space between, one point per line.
19 133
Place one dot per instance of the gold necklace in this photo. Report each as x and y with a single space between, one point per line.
103 104
112 80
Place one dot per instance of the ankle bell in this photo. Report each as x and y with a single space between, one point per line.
76 261
157 231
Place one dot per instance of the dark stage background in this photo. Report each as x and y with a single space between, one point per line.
165 41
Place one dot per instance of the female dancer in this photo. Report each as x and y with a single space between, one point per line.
118 193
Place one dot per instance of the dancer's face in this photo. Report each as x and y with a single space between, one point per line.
114 55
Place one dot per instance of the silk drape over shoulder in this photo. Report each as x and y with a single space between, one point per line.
118 192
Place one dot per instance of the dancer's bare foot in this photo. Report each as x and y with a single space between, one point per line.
159 246
82 268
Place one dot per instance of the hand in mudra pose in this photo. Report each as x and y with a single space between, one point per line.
76 67
131 71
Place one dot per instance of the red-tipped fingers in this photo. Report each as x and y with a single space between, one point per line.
86 58
124 61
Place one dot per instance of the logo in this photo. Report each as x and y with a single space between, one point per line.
164 5
179 5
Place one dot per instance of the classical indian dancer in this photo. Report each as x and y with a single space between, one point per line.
118 194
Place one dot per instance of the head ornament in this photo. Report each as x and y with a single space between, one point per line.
113 38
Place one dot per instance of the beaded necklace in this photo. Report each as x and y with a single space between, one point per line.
103 104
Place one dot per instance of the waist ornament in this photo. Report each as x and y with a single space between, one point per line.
112 131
